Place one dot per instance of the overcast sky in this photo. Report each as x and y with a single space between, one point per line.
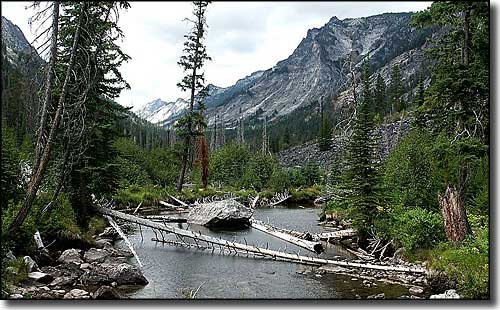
243 37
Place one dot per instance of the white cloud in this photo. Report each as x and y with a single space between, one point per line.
243 37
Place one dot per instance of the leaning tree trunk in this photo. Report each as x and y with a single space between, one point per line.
40 143
37 176
452 206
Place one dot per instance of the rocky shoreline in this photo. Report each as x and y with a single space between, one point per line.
101 272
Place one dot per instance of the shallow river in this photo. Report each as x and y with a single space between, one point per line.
172 271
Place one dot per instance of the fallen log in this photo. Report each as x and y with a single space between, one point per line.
296 258
179 201
136 209
166 204
167 219
336 235
312 246
124 237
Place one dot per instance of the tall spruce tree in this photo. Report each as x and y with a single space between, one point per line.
361 179
325 135
195 55
396 91
380 96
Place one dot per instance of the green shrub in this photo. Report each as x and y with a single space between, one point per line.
258 171
131 173
96 225
227 164
22 242
61 217
297 179
13 273
408 174
279 180
312 174
466 264
417 228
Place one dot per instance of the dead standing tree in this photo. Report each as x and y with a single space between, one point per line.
192 61
42 158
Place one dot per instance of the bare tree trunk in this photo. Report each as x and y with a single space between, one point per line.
48 86
467 43
38 175
454 214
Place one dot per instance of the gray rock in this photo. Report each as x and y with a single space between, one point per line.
96 255
40 277
105 274
109 232
15 296
415 290
85 266
77 294
70 256
106 292
449 294
104 243
30 264
221 214
377 296
9 256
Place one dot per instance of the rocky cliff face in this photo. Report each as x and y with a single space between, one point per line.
15 47
390 135
320 65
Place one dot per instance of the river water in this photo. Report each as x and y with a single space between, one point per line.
173 271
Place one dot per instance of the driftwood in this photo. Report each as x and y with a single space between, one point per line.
279 198
167 219
179 201
124 237
136 209
39 243
335 235
166 204
312 246
249 249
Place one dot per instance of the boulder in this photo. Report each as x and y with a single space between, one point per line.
221 214
70 256
104 243
106 292
40 277
96 255
449 294
77 294
438 281
415 290
30 264
126 274
105 274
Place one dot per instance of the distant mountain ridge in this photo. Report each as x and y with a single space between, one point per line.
319 66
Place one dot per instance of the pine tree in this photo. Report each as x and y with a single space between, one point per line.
419 98
192 62
361 177
396 91
380 96
325 135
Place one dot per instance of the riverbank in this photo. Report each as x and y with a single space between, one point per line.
100 272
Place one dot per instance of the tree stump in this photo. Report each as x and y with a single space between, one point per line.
452 206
